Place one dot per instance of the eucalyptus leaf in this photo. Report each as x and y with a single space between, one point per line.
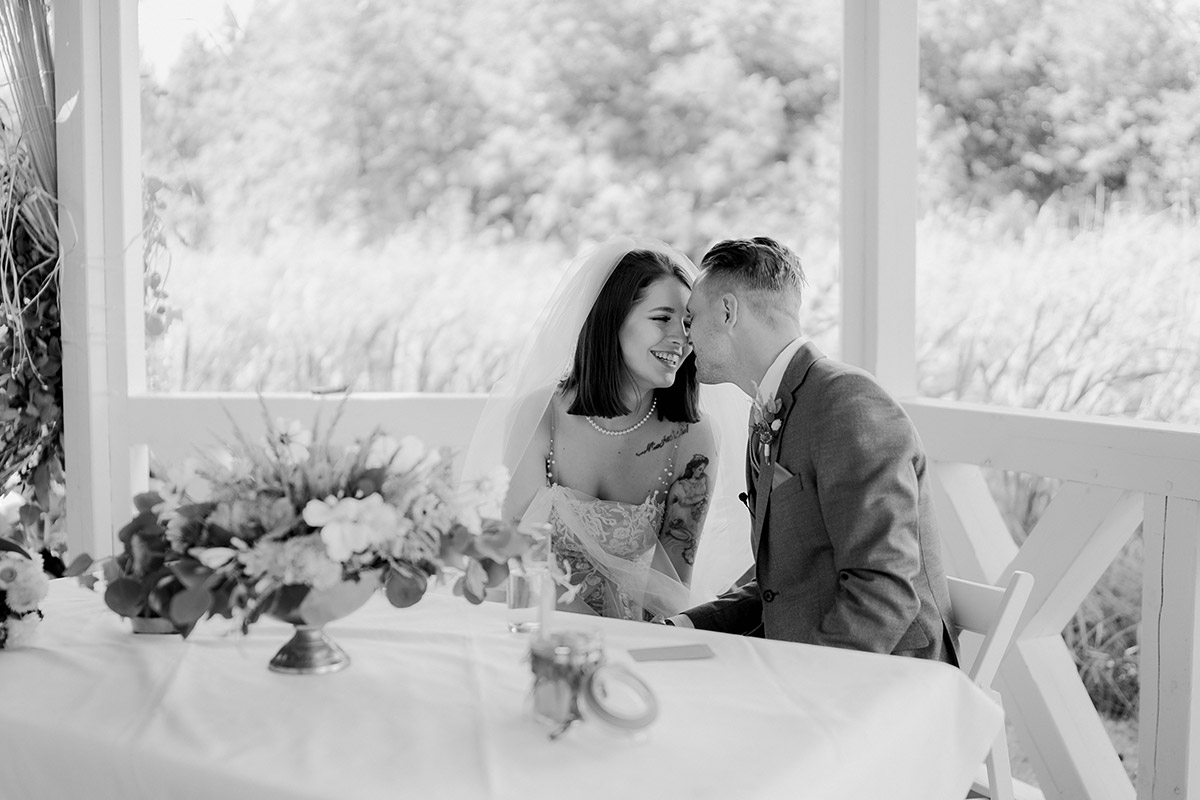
497 572
79 565
125 596
405 586
11 547
30 514
146 501
476 580
144 523
222 599
41 477
263 605
111 569
470 593
196 510
187 607
190 571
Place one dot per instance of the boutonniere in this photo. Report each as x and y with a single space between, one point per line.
766 420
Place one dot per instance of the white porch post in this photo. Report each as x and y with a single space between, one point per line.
1168 755
81 218
126 327
99 220
880 52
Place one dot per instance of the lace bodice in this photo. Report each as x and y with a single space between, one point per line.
608 545
623 529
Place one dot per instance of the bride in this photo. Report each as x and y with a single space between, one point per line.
601 427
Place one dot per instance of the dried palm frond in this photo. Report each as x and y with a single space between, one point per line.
29 182
30 333
29 68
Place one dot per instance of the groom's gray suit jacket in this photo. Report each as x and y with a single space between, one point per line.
846 546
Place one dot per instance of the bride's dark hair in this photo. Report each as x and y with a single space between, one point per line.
598 370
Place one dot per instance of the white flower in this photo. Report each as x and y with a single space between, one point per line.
470 519
319 512
351 525
481 499
9 571
383 448
292 440
231 516
301 560
10 509
22 578
238 468
168 505
213 557
175 525
431 514
412 451
183 484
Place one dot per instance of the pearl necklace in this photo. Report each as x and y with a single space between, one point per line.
631 429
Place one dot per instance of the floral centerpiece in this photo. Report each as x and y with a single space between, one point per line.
23 584
303 529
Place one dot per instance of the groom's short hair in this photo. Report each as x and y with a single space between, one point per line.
766 270
598 371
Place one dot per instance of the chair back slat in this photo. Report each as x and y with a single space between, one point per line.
993 612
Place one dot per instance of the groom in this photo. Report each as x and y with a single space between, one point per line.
846 549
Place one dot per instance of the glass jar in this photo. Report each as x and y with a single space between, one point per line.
572 682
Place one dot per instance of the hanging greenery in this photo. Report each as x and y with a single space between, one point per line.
31 424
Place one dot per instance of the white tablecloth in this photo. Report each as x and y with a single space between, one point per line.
435 705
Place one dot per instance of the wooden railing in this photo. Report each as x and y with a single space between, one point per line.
1115 476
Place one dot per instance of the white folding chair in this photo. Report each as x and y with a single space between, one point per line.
991 612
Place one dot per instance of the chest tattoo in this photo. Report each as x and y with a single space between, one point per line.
664 441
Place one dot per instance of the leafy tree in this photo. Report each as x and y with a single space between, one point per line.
1041 97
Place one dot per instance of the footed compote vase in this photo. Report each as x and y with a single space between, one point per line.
310 651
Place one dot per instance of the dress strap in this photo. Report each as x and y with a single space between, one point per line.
551 472
668 473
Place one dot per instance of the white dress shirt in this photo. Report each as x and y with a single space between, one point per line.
774 375
766 390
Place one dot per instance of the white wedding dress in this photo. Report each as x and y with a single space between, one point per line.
625 533
609 547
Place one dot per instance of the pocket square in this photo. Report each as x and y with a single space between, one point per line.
780 475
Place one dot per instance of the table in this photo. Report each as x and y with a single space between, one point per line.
435 705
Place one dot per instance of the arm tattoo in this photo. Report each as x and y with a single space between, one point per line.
670 437
687 503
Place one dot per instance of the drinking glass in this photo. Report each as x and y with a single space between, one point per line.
528 580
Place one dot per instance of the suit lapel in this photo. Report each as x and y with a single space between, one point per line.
793 377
